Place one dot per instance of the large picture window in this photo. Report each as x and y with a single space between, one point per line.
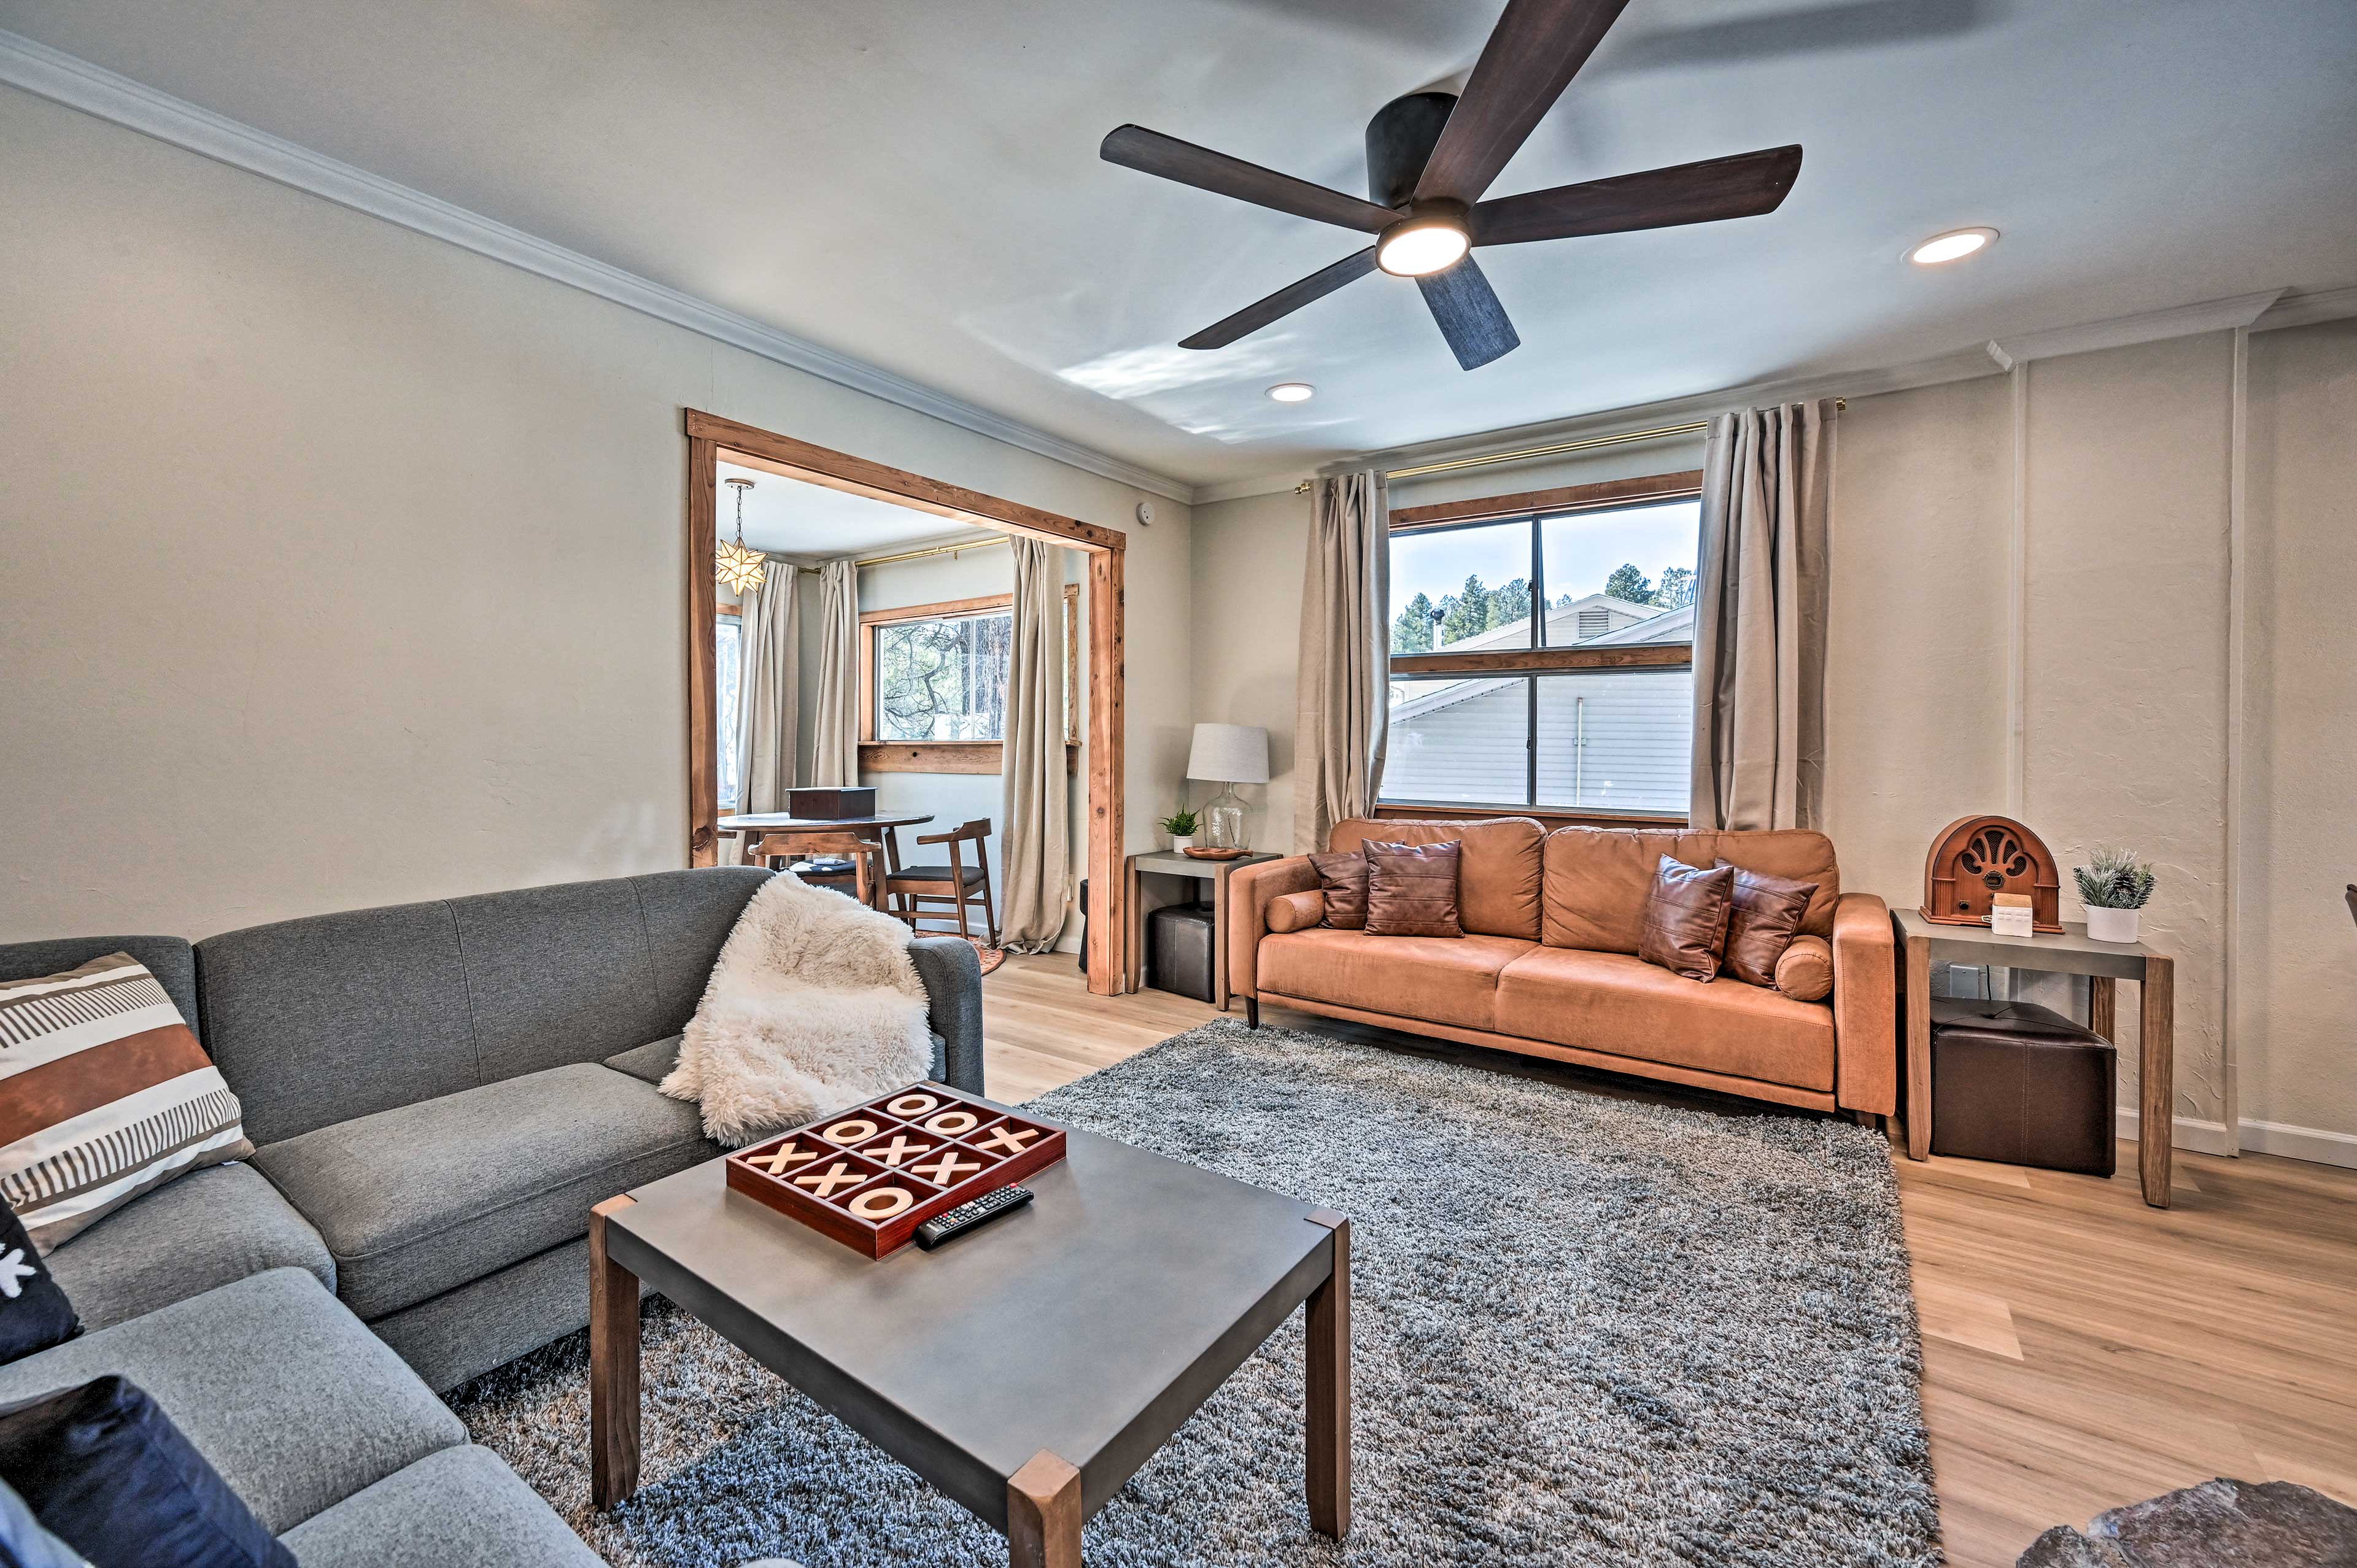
1542 651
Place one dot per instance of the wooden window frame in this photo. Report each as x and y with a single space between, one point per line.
708 435
958 756
1535 507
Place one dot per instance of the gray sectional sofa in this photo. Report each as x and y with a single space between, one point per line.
437 1093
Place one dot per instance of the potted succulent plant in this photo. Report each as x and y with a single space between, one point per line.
2113 885
1181 826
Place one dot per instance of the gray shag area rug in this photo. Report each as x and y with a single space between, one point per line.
1585 1330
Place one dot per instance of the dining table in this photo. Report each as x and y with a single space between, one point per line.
755 825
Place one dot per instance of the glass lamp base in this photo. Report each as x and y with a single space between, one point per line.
1223 822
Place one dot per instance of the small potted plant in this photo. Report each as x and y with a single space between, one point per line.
1181 826
2113 885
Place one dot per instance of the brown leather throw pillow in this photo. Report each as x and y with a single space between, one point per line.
1686 917
1344 880
1412 890
1766 917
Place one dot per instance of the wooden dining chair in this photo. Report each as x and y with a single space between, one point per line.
957 885
809 856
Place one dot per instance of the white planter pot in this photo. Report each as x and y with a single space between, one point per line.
1179 846
2113 925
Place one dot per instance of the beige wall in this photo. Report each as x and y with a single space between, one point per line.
2297 979
2120 671
343 566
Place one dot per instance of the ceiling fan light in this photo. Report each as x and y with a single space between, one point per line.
1293 392
1952 246
1422 246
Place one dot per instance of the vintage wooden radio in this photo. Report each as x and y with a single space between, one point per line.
1976 858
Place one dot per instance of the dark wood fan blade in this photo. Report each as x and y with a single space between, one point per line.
1284 302
1743 186
1537 46
1151 152
1470 318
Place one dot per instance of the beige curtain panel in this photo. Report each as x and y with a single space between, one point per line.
1759 619
1036 818
1342 698
768 682
834 721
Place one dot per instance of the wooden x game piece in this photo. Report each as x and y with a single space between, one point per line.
899 1152
948 1170
785 1158
1008 1140
823 1183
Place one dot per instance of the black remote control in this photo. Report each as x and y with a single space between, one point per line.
966 1216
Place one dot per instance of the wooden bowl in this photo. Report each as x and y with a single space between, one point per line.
1194 852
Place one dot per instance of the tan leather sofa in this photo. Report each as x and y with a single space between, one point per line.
1548 964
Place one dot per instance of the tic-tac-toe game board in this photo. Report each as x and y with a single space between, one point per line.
869 1175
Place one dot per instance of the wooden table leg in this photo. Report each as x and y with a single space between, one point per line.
1043 1514
1134 916
1328 1437
2155 1120
613 1367
1918 1047
2104 1005
1219 935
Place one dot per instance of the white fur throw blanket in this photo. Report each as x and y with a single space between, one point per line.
815 1003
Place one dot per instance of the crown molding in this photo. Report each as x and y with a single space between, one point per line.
2306 310
2263 311
65 78
2144 327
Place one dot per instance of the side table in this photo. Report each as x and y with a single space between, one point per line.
2072 952
1170 863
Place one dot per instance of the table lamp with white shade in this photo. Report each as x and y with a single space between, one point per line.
1228 755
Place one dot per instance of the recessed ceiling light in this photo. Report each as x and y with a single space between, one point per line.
1293 392
1422 246
1952 246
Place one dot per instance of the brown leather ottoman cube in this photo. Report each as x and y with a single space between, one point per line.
2022 1084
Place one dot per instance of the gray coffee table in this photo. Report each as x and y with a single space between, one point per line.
1026 1369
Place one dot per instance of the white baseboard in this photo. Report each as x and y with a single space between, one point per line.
2188 1133
2313 1143
2300 1142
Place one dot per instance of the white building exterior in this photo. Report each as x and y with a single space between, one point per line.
1621 740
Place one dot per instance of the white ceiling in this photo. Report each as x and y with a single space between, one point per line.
810 523
915 183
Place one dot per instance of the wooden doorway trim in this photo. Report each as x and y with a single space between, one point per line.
709 435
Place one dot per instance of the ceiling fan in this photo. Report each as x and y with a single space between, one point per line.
1430 156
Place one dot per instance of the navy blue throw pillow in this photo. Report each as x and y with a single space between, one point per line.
34 1313
103 1468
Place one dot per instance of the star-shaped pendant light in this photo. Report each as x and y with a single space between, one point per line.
739 567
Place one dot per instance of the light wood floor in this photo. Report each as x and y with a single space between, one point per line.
2081 1350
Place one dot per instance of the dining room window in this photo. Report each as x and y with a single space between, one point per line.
935 676
728 665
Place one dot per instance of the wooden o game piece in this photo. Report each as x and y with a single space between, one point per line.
881 1203
778 1163
1009 1139
912 1105
950 1124
900 1151
855 1130
823 1183
947 1170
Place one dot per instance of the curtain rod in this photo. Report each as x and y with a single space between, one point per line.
1556 449
981 543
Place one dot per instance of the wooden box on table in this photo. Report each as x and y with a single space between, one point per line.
868 1175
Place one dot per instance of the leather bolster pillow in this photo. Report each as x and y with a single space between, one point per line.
1296 911
1806 971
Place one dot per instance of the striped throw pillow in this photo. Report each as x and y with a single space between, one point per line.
104 1093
